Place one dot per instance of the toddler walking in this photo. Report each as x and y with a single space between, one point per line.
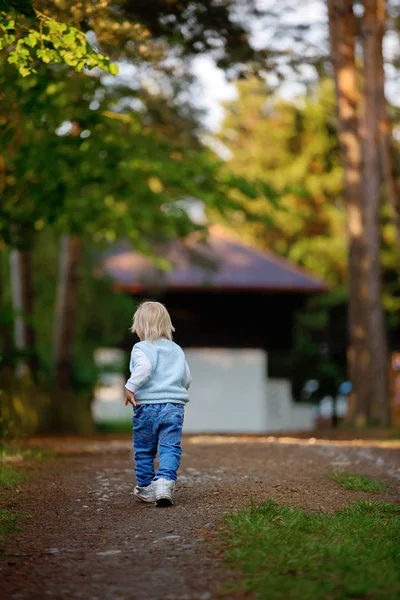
158 390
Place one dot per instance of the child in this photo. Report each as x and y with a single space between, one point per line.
157 389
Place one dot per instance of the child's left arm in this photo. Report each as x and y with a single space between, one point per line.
141 370
188 376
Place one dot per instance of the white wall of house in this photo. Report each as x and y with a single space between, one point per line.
230 393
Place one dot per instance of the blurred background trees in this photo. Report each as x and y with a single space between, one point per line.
89 157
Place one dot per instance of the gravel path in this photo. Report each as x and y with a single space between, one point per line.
86 537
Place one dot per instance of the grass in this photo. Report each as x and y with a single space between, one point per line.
362 483
114 427
10 452
8 524
9 477
287 554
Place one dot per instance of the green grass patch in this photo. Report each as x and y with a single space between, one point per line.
114 427
362 483
7 451
8 524
9 477
287 554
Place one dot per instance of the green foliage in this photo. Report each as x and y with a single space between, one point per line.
319 348
100 167
292 147
355 481
287 553
23 404
142 30
29 408
51 42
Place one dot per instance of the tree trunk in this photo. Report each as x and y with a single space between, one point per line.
22 302
6 337
342 29
335 418
66 304
378 372
385 127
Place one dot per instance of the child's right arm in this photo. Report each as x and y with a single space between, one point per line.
140 367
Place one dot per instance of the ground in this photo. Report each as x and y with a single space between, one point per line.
85 536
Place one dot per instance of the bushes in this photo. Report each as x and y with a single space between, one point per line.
28 408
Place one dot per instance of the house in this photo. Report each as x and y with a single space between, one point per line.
233 309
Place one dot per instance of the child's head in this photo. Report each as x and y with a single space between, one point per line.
151 322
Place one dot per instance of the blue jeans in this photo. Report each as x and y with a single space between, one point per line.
157 426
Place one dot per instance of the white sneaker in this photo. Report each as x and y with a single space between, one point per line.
164 491
146 494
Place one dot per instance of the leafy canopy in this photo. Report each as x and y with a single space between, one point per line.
30 37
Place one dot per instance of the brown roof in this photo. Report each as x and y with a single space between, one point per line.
223 263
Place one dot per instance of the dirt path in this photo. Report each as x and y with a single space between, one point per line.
88 538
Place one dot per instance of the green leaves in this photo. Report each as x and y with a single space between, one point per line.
51 43
290 148
111 176
7 36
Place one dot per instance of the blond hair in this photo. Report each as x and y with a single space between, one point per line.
151 322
